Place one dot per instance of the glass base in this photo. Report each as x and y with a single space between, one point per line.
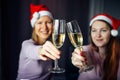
57 70
86 68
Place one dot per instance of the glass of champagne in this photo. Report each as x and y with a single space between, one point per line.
58 38
76 38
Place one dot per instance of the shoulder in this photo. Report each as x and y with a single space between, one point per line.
29 41
87 47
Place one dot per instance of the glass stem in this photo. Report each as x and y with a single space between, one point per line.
80 48
56 64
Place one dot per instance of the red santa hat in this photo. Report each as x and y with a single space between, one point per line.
38 11
109 19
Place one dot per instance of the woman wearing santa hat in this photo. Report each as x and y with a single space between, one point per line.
38 52
104 50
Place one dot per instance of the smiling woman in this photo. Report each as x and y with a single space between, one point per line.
100 33
42 30
37 53
103 50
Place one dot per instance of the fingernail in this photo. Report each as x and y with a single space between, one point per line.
85 59
81 53
58 57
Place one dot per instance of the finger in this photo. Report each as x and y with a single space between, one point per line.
51 51
42 57
77 56
52 47
77 50
41 54
47 54
76 62
80 52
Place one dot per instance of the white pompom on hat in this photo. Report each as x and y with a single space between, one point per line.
115 23
38 11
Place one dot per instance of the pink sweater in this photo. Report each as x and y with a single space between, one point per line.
95 73
30 65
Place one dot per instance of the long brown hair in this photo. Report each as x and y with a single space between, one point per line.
111 62
34 36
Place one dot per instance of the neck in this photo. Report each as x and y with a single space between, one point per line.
102 52
41 41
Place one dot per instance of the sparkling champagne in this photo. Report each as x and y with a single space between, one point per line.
58 39
76 39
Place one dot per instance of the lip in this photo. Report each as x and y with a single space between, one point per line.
44 32
99 40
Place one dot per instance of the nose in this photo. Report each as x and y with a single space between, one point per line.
98 34
44 26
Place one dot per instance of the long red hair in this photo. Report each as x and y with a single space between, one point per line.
111 62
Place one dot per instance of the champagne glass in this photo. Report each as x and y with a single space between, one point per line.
58 38
76 38
75 34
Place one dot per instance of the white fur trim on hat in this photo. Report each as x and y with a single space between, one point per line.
46 13
114 33
37 15
102 17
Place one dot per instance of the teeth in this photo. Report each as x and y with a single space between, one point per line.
44 32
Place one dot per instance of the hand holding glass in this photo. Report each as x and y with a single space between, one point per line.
76 38
58 37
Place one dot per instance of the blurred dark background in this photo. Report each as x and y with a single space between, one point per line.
15 27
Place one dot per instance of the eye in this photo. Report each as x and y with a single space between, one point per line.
104 30
49 22
93 30
39 22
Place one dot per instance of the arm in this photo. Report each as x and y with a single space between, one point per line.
30 50
44 52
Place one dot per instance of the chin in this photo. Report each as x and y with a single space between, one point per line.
44 36
100 45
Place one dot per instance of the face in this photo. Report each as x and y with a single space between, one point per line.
100 33
43 27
